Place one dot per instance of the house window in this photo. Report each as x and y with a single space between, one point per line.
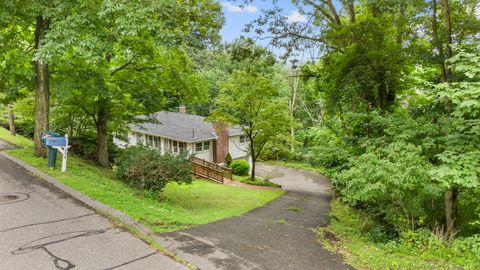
154 142
202 146
243 139
182 147
206 146
178 147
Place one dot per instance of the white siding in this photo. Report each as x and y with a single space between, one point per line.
135 138
204 154
132 140
140 139
236 149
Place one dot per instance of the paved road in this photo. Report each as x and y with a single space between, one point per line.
269 237
46 229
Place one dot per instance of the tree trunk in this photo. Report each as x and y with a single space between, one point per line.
42 90
437 42
450 195
333 9
351 10
340 111
448 32
252 177
293 101
11 120
252 156
401 25
450 198
382 91
102 135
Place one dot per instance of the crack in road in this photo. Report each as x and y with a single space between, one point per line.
45 222
60 263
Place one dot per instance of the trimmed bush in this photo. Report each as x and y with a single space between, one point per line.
149 170
240 167
228 160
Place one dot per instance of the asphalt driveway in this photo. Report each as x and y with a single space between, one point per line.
43 228
276 236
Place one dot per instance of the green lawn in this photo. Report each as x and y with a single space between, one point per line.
258 181
295 165
18 140
177 207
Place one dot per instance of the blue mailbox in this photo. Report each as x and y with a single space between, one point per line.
56 141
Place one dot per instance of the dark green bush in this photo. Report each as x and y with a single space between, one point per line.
391 183
86 146
240 167
327 149
149 170
228 160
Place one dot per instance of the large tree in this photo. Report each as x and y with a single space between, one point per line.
119 58
252 101
37 13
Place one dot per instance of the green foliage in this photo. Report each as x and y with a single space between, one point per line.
109 60
253 102
391 183
327 149
149 170
228 160
460 162
240 167
354 236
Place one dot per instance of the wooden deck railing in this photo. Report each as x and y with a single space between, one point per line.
210 170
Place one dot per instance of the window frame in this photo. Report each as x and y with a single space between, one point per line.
243 138
154 142
199 147
206 146
177 147
202 146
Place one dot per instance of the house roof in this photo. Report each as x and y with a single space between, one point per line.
179 126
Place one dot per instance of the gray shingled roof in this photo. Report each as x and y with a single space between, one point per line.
179 126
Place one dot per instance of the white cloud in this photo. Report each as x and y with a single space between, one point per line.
239 9
295 16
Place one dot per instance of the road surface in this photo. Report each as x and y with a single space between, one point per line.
276 236
43 228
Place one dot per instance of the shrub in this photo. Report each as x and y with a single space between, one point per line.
228 160
240 167
327 149
391 183
86 146
149 170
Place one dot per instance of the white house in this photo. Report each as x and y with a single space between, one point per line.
179 132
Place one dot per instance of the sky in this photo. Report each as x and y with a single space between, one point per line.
236 17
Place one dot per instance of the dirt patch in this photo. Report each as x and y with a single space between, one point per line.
240 184
330 237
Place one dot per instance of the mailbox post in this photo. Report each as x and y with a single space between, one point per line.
52 152
54 142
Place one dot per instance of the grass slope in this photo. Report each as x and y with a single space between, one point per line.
258 181
296 165
18 140
177 207
346 235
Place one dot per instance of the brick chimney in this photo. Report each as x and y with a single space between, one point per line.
220 146
182 108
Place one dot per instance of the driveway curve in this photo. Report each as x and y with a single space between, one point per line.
277 235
